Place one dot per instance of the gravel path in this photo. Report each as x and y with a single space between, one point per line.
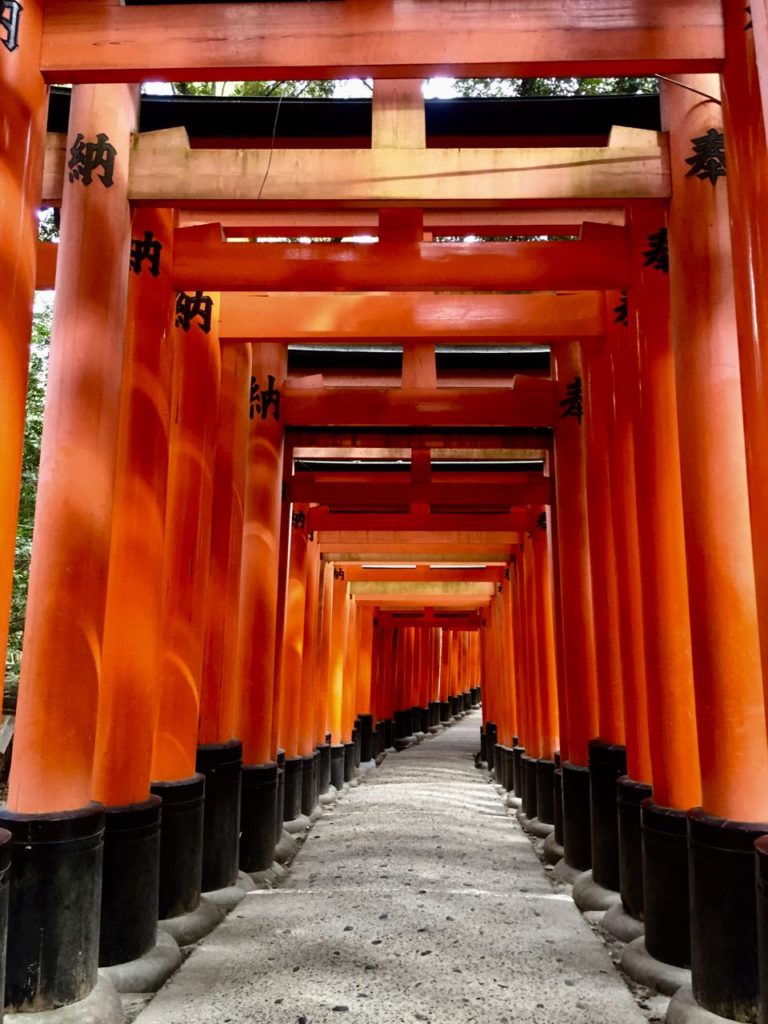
418 898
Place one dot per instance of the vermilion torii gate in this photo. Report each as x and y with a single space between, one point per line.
206 619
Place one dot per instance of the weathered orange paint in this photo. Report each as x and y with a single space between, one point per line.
130 658
721 579
220 693
577 620
349 698
602 549
56 718
323 651
22 128
187 546
261 541
668 656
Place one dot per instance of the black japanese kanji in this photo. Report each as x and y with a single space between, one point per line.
191 307
622 311
657 254
147 248
338 574
541 522
748 11
298 520
263 399
708 160
87 157
573 403
10 16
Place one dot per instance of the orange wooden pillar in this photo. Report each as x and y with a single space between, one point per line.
291 663
309 670
258 606
577 620
349 694
613 596
186 561
322 652
733 747
363 684
130 658
60 676
660 894
547 670
598 412
220 750
747 180
336 656
21 160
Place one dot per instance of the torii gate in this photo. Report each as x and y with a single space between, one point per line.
661 596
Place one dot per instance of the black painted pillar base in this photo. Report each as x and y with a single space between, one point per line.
349 761
403 727
424 719
491 737
258 816
497 754
294 771
181 845
323 768
390 733
356 740
724 965
545 791
761 873
337 766
53 909
433 717
280 806
221 764
445 712
308 783
629 796
576 817
5 870
665 883
475 691
467 698
380 738
558 790
607 761
130 881
517 771
507 767
365 728
529 766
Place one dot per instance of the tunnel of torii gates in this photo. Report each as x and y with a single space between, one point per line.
252 571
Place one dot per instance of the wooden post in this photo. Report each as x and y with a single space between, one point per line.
220 694
336 656
129 697
598 401
21 160
733 747
577 619
56 720
747 180
293 635
60 676
261 540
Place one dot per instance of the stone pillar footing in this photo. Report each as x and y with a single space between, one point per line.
190 928
149 972
622 925
641 967
588 895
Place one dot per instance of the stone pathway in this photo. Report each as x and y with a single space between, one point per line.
418 898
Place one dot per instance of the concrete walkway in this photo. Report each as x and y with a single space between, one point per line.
418 898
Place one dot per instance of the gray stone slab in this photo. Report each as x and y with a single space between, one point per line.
418 899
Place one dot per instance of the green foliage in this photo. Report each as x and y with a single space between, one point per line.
295 90
499 87
38 373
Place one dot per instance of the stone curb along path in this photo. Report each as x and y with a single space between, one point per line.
417 898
